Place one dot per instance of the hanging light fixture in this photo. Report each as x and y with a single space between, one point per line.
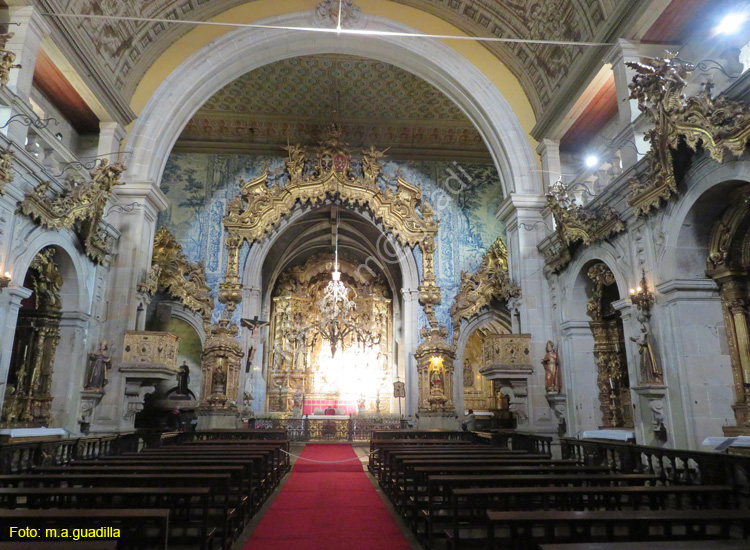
336 320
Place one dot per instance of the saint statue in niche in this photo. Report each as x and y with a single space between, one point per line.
552 372
300 352
436 379
219 379
650 371
99 363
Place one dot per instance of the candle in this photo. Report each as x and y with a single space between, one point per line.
611 384
632 292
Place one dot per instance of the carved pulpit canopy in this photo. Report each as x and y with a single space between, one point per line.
491 281
173 272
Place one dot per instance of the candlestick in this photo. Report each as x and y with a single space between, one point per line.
611 384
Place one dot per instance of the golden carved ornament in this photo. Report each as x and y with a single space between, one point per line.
725 250
491 281
80 209
7 59
576 225
435 358
6 169
601 276
718 125
183 279
220 366
330 174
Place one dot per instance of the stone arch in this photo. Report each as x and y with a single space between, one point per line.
75 268
183 92
574 309
706 198
499 316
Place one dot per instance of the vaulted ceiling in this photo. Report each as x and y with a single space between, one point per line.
120 52
294 100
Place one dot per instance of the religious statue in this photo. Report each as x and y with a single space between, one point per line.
503 401
436 379
99 362
297 402
300 352
650 371
552 372
219 379
183 379
361 405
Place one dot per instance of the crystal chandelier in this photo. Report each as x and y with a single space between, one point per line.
336 321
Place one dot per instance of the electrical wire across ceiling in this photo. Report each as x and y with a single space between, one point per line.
338 30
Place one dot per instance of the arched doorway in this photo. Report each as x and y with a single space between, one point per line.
28 390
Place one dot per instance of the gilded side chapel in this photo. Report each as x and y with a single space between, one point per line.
525 224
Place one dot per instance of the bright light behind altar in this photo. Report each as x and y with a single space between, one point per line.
352 373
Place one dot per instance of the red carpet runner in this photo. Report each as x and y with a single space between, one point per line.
327 507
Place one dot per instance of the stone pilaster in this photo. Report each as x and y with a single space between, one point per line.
139 204
411 330
10 304
29 29
622 52
522 215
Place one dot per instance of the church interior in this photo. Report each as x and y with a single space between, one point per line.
475 273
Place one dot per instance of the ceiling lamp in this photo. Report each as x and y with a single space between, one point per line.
336 321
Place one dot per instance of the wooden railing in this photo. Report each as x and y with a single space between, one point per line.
673 466
17 458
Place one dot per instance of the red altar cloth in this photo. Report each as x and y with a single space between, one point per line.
344 406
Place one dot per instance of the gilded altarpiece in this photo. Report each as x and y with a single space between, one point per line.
609 350
28 389
478 392
729 264
357 377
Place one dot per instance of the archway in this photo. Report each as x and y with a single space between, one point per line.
241 51
31 380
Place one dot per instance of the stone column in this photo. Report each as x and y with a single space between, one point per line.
10 303
69 370
111 135
622 52
29 31
522 215
140 204
411 327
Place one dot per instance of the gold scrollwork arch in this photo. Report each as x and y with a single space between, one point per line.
331 174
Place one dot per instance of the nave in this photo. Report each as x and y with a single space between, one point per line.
253 489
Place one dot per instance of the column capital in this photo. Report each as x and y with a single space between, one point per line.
521 205
623 50
410 294
16 294
145 191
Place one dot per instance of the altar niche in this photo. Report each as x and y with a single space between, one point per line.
609 348
28 389
356 378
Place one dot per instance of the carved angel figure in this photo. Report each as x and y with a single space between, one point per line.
552 372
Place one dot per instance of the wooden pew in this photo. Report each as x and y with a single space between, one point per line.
188 506
59 545
467 507
523 528
139 529
221 485
417 490
662 545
